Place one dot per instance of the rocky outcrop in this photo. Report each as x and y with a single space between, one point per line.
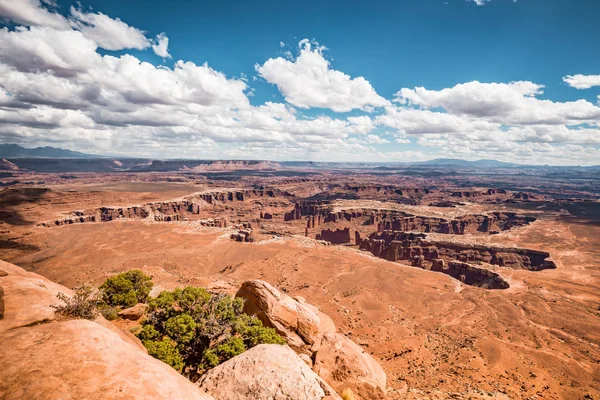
134 313
240 195
344 364
301 324
338 236
265 372
43 358
307 331
242 235
266 215
524 196
478 223
470 274
163 211
294 214
393 246
178 210
452 258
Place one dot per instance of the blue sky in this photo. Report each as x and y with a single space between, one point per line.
465 57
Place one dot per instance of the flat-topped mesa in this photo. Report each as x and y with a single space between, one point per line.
478 223
177 210
386 190
240 195
393 246
338 236
470 274
477 193
305 208
161 211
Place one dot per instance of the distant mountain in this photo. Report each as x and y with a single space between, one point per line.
16 151
464 163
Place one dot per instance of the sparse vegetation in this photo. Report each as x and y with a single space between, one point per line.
83 304
126 289
194 330
108 312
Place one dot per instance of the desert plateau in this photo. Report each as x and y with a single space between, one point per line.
468 291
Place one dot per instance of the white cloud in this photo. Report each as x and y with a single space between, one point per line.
42 49
161 45
108 33
57 89
31 12
505 103
309 81
580 81
67 92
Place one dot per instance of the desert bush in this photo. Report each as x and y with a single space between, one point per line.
108 312
83 304
194 330
126 289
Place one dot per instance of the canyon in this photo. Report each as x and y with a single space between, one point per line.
455 289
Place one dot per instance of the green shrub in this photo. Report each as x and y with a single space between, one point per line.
166 351
83 304
108 312
126 289
194 330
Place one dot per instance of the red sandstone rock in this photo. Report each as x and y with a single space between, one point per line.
343 364
265 372
134 313
307 331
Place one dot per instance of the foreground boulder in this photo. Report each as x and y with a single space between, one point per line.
45 358
344 364
339 361
265 372
301 324
134 313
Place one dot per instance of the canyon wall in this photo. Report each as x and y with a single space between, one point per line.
393 246
475 223
177 210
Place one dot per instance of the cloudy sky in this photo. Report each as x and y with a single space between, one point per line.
304 80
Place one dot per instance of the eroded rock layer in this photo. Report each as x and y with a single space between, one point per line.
177 210
393 246
322 213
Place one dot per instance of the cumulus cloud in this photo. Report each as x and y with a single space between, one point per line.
108 33
31 12
309 81
43 49
506 103
161 45
582 81
56 88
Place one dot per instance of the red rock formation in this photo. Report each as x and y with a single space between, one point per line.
524 196
338 236
394 246
243 235
241 195
496 221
